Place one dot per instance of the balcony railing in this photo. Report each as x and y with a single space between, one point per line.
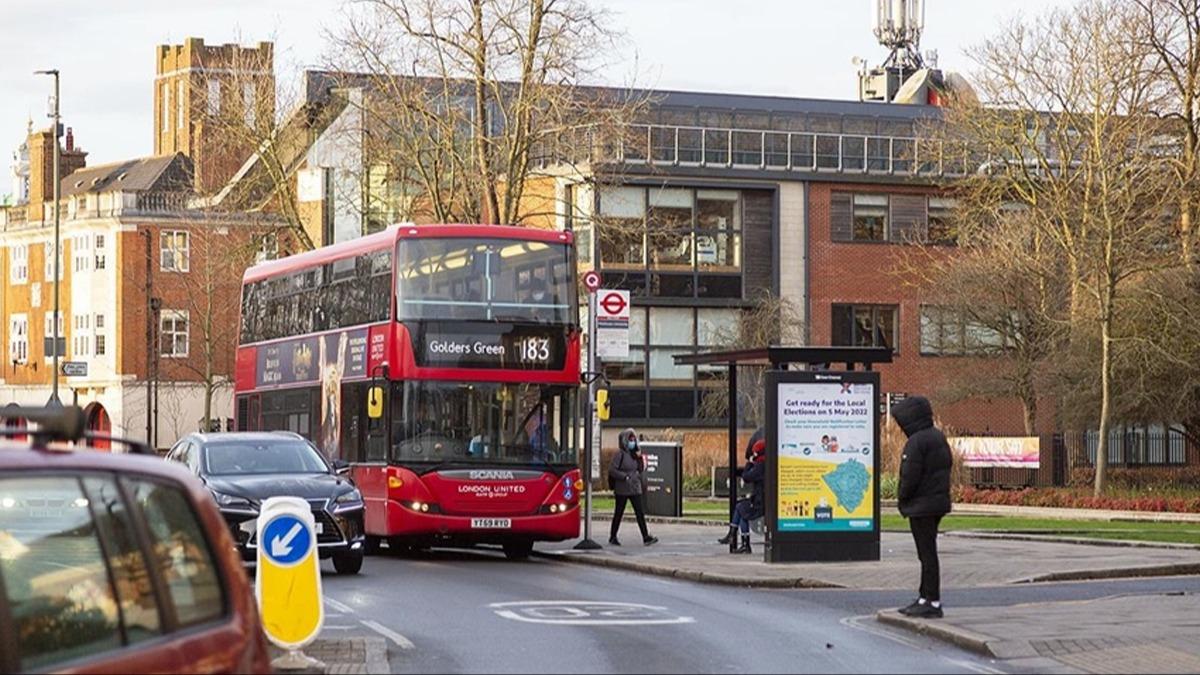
727 148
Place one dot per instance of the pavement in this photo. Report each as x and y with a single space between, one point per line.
344 656
1138 633
690 551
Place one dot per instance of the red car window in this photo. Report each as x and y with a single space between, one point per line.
58 589
181 552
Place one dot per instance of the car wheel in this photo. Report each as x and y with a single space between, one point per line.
371 545
348 563
518 550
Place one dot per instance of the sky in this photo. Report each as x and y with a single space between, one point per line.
105 51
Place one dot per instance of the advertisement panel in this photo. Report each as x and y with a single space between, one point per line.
826 435
999 452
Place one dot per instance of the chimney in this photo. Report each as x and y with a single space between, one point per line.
41 169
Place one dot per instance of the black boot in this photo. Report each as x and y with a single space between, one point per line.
745 547
728 537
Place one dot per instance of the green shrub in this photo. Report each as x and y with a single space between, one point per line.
889 486
694 484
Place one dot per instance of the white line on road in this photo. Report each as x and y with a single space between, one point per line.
339 606
401 641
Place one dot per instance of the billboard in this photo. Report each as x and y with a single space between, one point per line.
1000 452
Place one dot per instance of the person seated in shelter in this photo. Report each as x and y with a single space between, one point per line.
752 508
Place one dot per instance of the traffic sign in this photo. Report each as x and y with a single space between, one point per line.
288 581
591 281
74 368
612 324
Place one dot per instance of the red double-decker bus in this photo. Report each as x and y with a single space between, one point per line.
469 334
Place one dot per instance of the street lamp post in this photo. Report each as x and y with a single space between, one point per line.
54 400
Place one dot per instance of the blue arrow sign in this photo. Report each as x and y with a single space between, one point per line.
286 540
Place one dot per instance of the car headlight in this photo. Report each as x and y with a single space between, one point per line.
353 497
223 499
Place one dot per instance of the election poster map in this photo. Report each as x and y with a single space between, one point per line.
826 456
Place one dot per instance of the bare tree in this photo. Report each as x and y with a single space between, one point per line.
1070 134
995 301
468 103
765 323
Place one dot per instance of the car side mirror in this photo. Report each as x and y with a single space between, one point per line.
341 467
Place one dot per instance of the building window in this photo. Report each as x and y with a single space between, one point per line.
870 218
866 326
671 242
48 257
99 321
179 103
101 257
946 332
48 345
18 338
647 384
100 345
165 108
173 333
174 254
18 270
82 250
942 228
249 104
214 98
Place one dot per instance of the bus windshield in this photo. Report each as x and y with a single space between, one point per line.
485 280
481 423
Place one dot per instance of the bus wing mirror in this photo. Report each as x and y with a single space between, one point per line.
603 408
375 403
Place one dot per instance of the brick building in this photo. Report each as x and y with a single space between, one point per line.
150 272
719 198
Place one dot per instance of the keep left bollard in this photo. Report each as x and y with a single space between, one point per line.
288 582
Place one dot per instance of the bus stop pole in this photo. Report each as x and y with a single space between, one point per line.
588 544
733 447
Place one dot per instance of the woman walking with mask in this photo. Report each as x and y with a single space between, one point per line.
625 477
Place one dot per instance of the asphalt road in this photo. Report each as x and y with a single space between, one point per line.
477 612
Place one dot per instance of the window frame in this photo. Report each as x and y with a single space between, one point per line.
166 245
22 319
884 229
875 308
18 265
174 315
692 279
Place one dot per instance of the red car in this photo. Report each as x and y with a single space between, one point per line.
115 563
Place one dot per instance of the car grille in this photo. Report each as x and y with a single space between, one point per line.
330 533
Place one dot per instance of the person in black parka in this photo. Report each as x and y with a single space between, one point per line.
752 508
924 495
625 479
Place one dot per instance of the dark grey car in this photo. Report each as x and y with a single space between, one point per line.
241 469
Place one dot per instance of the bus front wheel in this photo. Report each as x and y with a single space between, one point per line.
518 550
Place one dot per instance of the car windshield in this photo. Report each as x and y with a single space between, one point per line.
481 423
249 457
485 280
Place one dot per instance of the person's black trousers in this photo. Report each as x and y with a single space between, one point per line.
638 510
924 531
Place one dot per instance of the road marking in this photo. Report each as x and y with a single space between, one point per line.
329 627
401 641
587 613
339 606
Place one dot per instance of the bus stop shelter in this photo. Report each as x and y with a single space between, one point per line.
777 358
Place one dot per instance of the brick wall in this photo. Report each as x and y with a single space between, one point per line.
843 272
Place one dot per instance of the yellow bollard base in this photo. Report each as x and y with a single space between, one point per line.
295 660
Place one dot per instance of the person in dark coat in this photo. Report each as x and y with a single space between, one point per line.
625 476
924 495
753 474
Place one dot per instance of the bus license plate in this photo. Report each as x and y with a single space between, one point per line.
491 523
